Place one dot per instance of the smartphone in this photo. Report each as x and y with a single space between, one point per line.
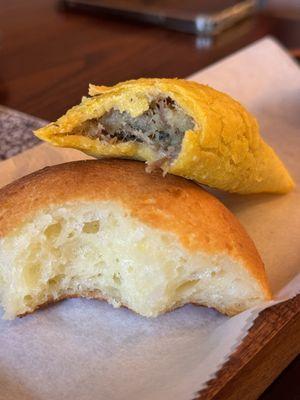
194 16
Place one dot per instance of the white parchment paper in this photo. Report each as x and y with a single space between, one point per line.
84 349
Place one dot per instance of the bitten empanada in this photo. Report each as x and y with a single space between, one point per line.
183 127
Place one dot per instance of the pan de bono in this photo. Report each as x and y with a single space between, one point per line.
108 230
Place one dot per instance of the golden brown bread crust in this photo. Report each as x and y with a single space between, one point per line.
173 204
223 150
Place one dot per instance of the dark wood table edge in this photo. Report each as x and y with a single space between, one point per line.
266 341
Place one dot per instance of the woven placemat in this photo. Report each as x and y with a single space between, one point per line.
16 132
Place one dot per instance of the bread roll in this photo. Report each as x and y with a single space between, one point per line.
185 128
108 230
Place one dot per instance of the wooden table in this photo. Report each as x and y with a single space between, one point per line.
48 57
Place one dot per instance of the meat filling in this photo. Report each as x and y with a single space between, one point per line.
161 127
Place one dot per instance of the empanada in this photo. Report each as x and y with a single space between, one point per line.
108 230
183 127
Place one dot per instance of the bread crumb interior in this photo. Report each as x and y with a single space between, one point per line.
99 250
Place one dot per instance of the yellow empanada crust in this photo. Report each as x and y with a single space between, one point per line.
224 150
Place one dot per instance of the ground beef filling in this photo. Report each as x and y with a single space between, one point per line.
162 127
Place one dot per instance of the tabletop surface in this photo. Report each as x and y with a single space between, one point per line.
49 56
